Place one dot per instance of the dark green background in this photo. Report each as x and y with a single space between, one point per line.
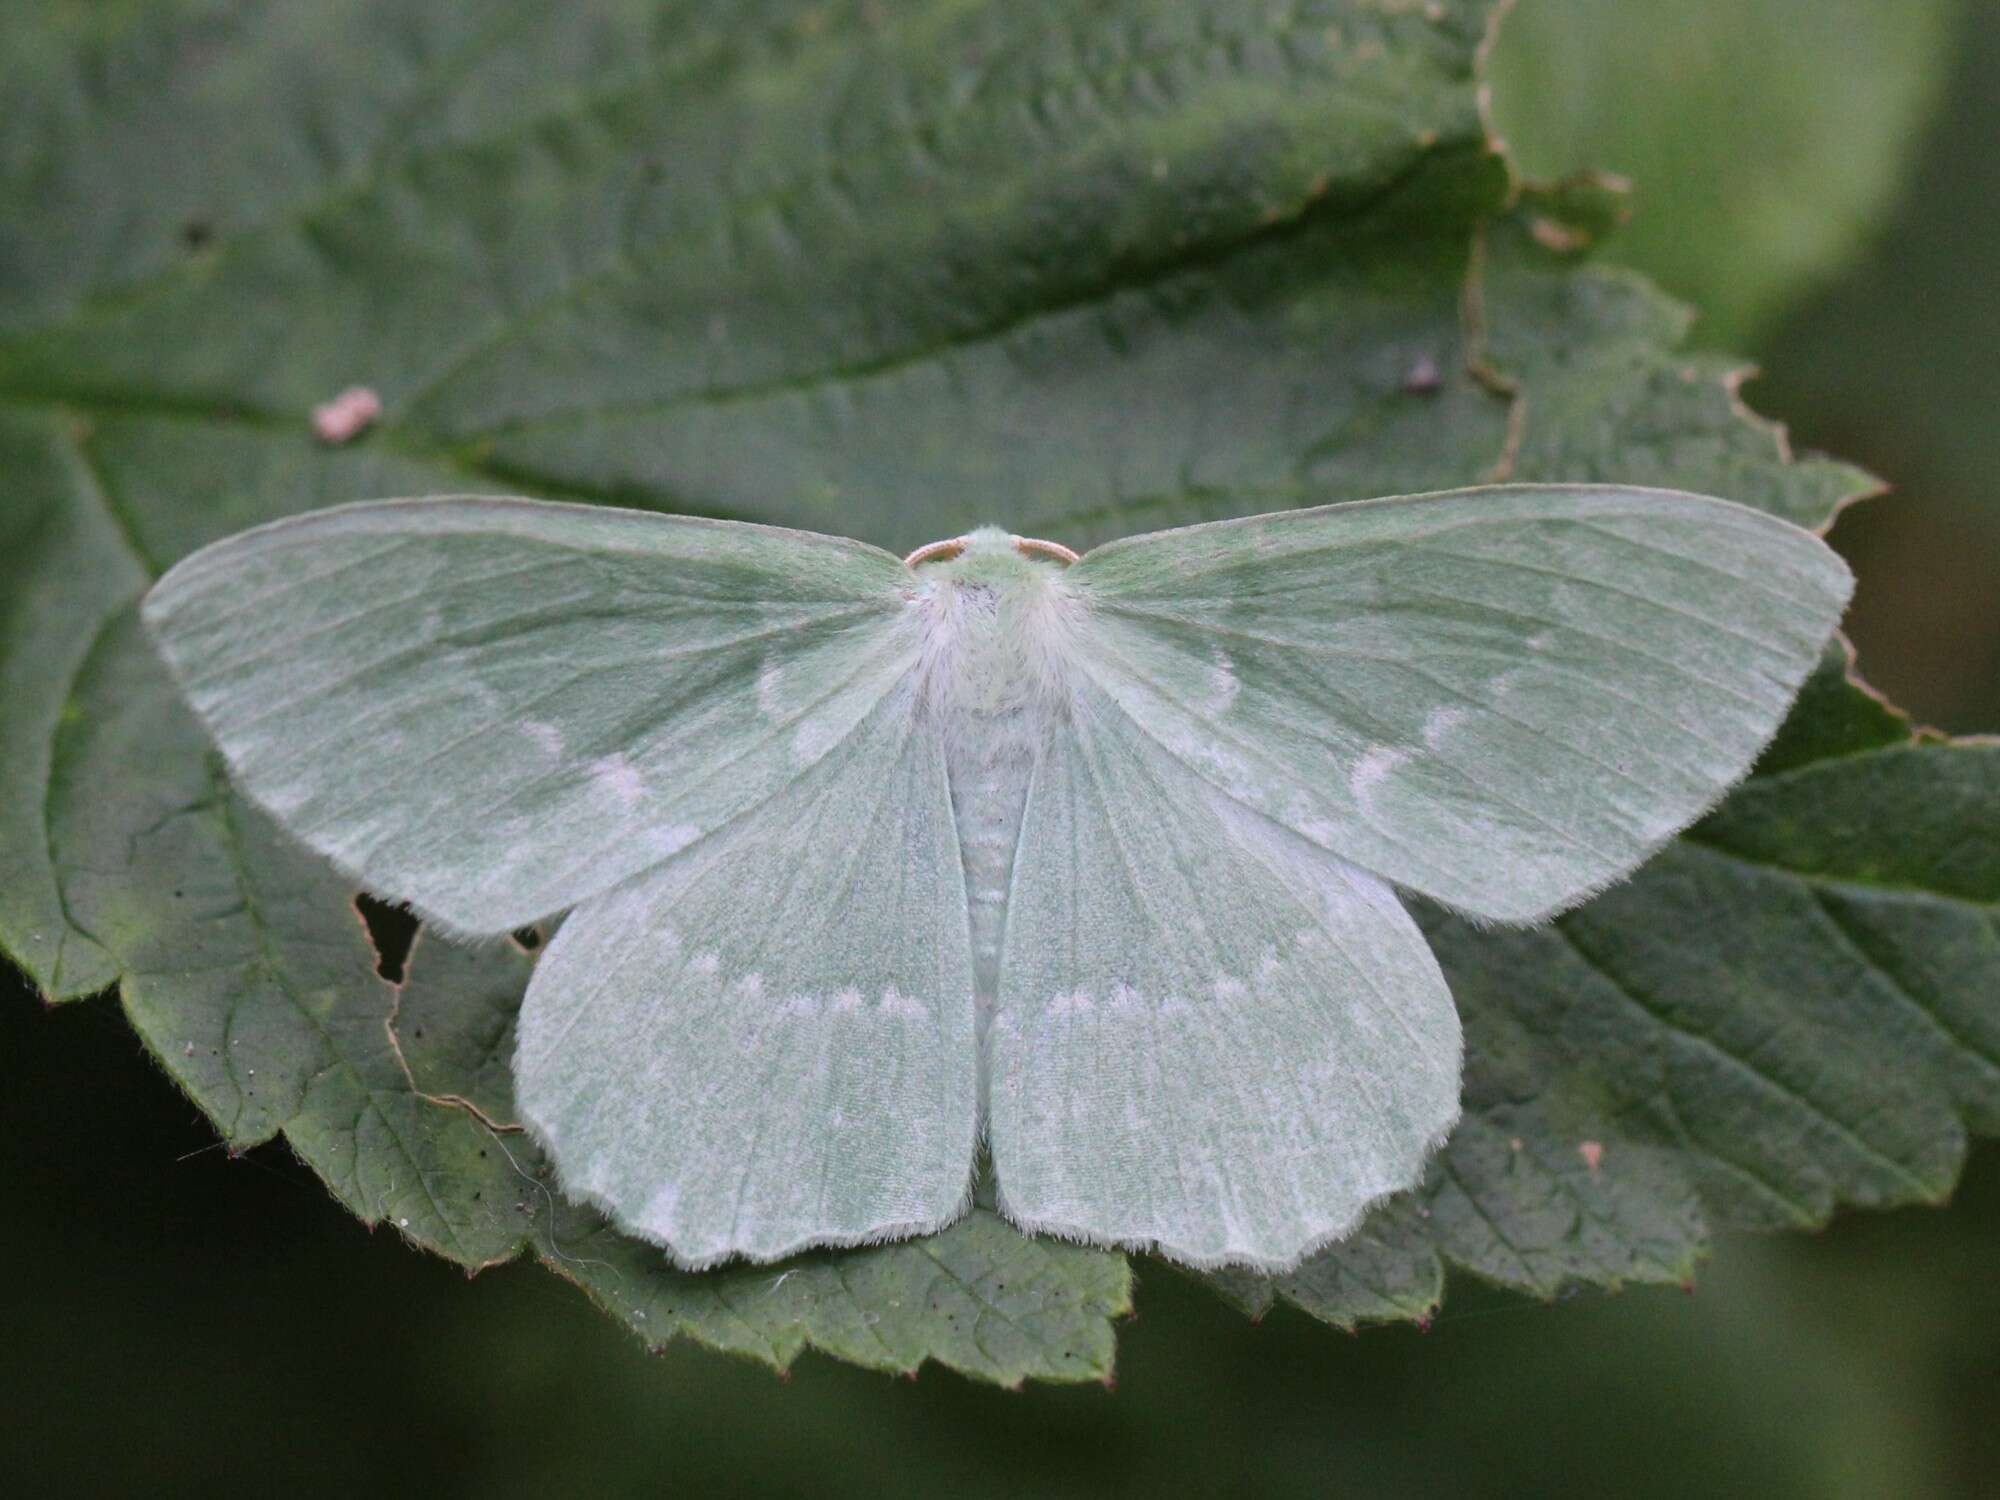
177 1321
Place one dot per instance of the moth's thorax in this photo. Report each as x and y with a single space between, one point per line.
998 631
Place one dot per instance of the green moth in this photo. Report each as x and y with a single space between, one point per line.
868 860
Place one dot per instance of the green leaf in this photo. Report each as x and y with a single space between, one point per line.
1790 1010
64 571
1764 141
1600 386
888 270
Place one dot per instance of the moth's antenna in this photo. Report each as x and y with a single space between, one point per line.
1028 546
950 547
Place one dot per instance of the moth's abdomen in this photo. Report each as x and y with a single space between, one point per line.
990 763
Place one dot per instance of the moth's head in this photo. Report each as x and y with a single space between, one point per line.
996 616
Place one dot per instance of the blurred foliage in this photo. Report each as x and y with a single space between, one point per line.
1816 176
1764 137
1895 366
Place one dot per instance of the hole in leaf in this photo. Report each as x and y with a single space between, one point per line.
197 232
392 930
527 939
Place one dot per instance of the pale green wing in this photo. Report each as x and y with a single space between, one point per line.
1211 1037
493 708
769 1042
1502 698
